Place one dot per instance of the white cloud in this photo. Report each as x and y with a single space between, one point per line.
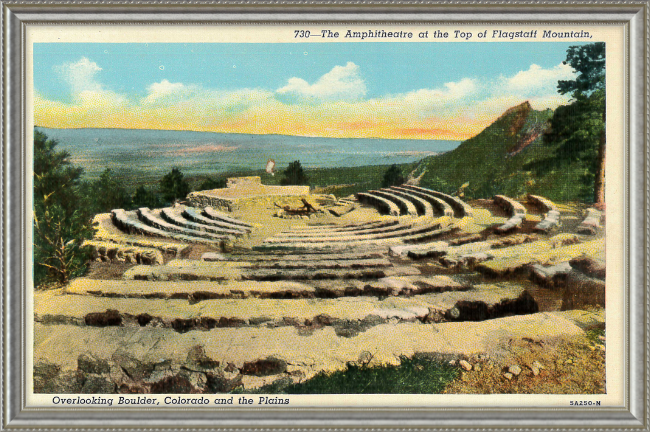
341 83
80 75
163 90
537 78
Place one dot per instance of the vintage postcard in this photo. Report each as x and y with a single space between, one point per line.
332 215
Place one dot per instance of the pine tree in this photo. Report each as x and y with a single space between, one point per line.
61 221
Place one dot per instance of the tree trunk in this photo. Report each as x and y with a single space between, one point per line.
599 183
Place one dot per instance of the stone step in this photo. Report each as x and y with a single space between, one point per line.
346 227
220 216
323 264
196 291
129 222
384 205
439 204
478 304
389 286
136 359
327 274
347 233
174 217
354 244
192 270
371 254
406 229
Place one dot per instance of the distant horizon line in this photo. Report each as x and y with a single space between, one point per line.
250 133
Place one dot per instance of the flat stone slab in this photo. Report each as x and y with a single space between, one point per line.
187 270
323 264
192 290
192 270
143 351
480 303
506 261
213 257
107 251
370 254
388 286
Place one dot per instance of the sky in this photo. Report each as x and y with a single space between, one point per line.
395 90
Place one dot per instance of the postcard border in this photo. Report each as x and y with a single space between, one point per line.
16 15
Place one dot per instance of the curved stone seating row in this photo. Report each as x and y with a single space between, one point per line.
344 228
508 204
516 211
351 245
146 216
544 203
219 216
357 232
410 234
194 215
381 203
172 216
461 208
128 222
406 207
424 207
403 229
438 203
591 223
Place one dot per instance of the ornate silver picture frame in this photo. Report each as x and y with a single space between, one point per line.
395 269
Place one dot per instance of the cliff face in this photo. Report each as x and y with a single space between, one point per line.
499 159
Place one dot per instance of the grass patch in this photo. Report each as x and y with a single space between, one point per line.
412 376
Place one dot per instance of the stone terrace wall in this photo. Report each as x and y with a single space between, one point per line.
242 192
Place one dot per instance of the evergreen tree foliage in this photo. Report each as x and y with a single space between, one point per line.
143 197
294 175
61 220
107 193
393 177
209 183
174 186
578 130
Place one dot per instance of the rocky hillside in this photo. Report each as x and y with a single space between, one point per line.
505 159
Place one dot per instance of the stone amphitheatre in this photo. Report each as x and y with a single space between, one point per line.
240 287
